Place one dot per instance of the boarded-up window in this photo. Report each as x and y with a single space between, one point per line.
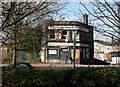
52 51
77 55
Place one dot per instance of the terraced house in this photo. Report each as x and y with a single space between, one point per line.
61 39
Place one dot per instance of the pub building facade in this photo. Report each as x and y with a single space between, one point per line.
60 42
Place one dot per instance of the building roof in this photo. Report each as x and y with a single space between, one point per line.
70 23
103 42
107 43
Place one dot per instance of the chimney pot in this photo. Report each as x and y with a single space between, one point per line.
85 17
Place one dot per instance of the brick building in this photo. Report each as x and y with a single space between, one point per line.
60 41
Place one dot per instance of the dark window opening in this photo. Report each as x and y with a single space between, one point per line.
52 34
83 53
64 33
77 32
63 37
70 36
115 54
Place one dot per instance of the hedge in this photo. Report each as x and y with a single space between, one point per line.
82 77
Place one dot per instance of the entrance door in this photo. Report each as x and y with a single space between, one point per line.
83 52
64 53
84 55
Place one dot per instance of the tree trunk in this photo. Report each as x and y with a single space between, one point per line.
14 48
14 58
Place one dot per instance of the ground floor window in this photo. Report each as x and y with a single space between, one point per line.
115 54
77 55
62 53
84 52
52 53
87 52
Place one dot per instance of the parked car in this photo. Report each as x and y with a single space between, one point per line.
19 65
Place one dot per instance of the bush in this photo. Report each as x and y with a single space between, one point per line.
83 77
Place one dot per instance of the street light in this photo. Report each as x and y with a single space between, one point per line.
74 48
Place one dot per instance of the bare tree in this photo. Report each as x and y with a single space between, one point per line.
23 24
105 16
106 19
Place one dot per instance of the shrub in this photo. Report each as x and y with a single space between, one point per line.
83 77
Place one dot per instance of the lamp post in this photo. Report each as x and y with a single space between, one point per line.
74 49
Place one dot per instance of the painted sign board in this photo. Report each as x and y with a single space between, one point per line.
52 51
66 44
69 28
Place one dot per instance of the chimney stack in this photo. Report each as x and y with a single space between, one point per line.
85 17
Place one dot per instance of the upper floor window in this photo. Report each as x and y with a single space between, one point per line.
52 34
64 33
77 35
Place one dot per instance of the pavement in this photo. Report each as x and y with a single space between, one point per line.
63 66
66 66
70 65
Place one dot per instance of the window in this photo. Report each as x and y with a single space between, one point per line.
84 53
81 53
64 33
115 54
70 35
52 34
87 52
77 35
97 56
52 51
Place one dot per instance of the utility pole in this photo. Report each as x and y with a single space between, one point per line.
74 49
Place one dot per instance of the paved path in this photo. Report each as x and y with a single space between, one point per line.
66 66
70 65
